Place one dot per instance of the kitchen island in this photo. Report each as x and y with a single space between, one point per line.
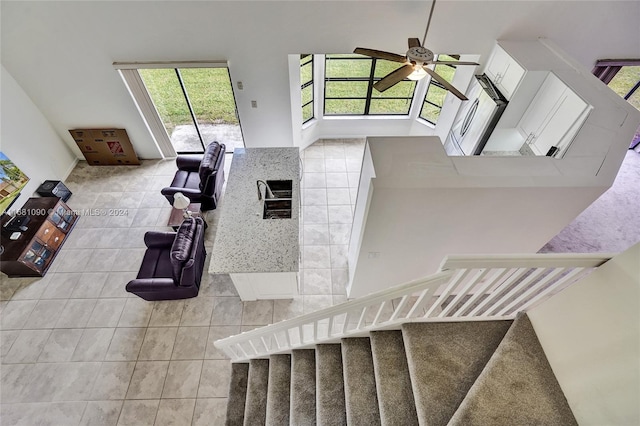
261 255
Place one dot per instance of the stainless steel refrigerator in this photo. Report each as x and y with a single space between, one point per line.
476 118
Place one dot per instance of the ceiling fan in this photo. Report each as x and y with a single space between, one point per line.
415 63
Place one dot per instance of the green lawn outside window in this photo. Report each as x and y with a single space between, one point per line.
349 88
306 86
436 93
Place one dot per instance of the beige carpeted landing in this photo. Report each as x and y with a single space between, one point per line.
517 387
611 224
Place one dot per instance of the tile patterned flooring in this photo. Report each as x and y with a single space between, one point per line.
76 349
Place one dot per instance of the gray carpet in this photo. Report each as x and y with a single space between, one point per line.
517 387
255 410
611 224
359 382
447 373
237 394
303 387
393 382
279 390
331 409
445 359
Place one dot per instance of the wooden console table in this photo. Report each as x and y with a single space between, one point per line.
31 254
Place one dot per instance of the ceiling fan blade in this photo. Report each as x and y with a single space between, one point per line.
451 63
445 83
414 42
393 78
380 54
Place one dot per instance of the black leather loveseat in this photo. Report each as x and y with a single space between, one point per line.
199 177
173 263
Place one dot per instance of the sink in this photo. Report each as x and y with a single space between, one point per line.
277 208
277 204
281 188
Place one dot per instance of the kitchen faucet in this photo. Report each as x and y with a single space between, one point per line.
268 193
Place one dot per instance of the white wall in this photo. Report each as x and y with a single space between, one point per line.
412 230
416 205
61 52
590 333
29 140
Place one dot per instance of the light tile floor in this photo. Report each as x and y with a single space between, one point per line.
76 349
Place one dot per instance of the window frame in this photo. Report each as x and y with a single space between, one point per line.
129 73
304 85
436 83
371 79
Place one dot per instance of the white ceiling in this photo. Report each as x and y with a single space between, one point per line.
61 52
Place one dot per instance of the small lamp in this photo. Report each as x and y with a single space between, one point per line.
181 202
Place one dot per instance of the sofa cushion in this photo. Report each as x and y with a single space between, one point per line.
181 248
156 264
185 179
209 161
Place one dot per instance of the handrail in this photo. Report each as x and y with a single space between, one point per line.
457 261
467 288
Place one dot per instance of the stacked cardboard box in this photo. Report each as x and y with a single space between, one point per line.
105 146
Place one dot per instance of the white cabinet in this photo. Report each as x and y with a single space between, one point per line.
541 107
504 71
553 117
266 285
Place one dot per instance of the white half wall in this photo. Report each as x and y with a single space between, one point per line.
29 140
409 231
590 333
416 205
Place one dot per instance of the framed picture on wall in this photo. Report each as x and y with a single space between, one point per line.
12 180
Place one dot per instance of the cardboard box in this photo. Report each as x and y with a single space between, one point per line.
103 147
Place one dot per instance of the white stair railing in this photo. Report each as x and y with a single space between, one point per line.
467 288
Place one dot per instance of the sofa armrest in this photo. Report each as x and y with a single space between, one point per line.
155 239
193 268
221 157
149 285
188 192
170 191
189 162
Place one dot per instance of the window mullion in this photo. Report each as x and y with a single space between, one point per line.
193 115
310 85
367 103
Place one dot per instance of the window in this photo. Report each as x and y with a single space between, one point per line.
195 105
436 93
306 84
626 83
186 105
348 88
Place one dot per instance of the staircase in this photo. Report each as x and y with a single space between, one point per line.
452 373
454 348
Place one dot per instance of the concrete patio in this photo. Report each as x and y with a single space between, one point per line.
185 138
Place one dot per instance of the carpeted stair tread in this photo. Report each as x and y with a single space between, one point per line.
361 400
444 361
331 409
279 388
303 387
255 410
237 394
393 383
517 387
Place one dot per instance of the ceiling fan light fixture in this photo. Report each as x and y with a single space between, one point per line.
418 73
414 63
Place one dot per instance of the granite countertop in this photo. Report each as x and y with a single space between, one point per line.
245 242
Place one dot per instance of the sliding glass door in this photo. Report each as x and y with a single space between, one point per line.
196 106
